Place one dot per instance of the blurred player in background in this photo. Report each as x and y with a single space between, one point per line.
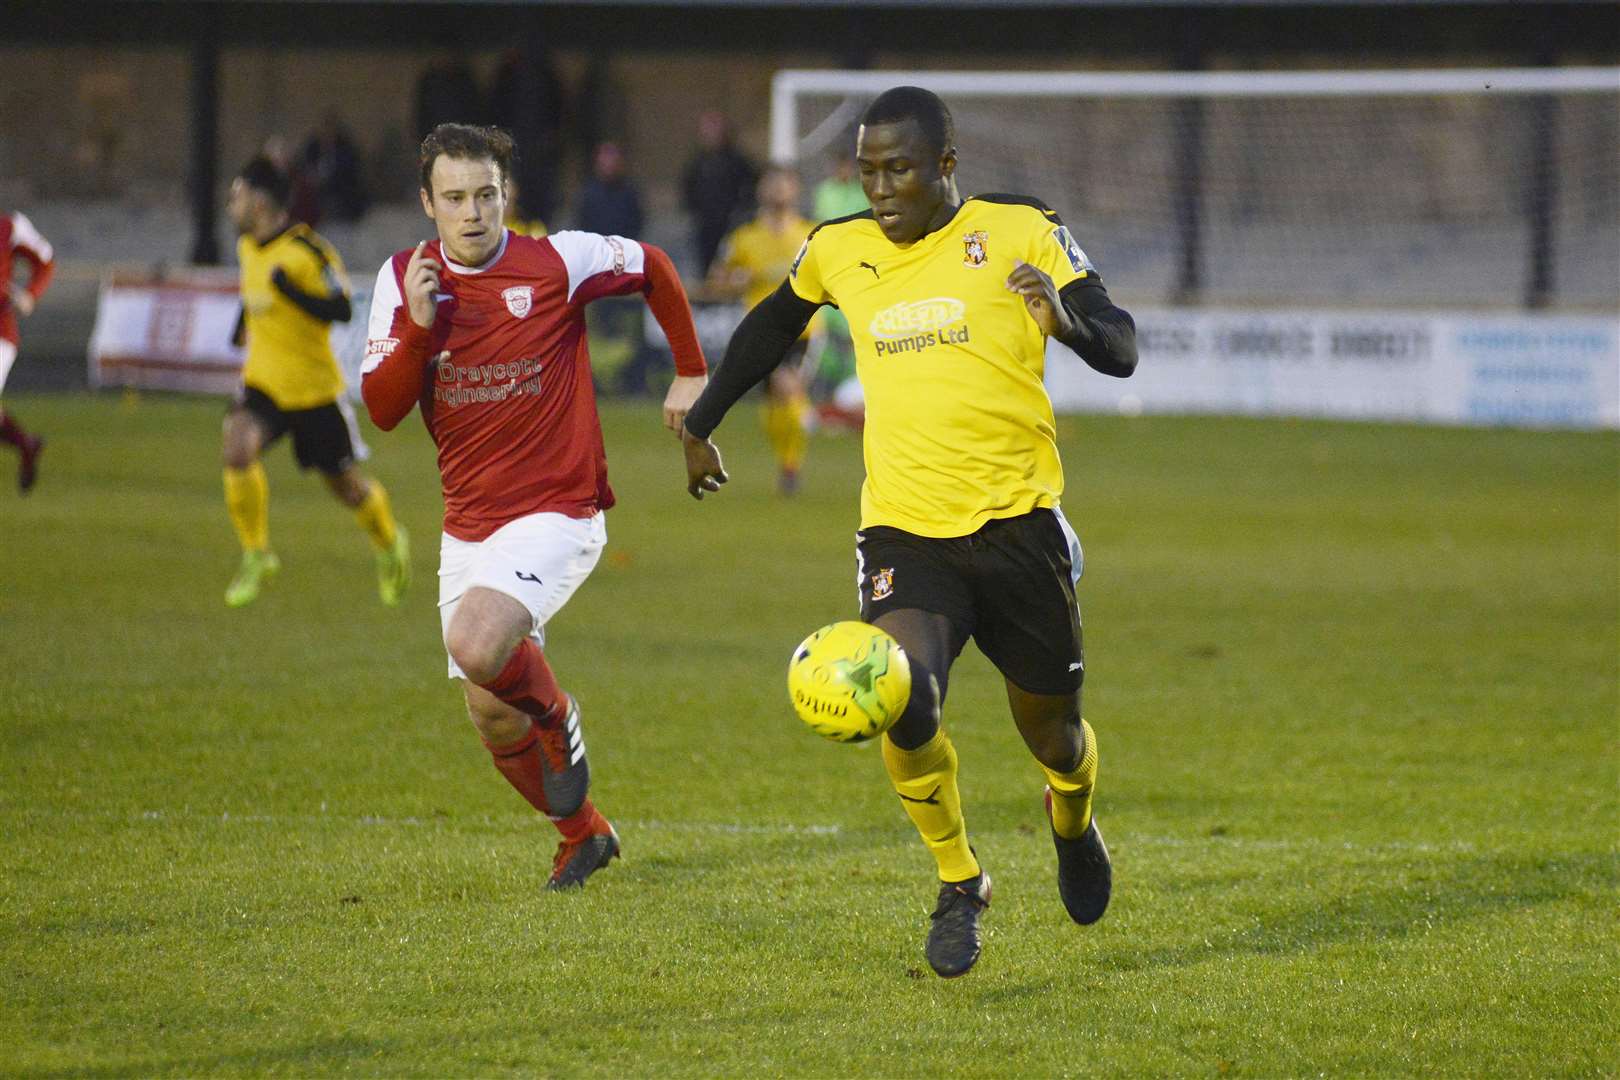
753 260
951 303
20 240
834 383
486 330
523 226
293 289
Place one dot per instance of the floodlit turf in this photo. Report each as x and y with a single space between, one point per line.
1355 688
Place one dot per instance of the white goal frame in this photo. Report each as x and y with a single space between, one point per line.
788 84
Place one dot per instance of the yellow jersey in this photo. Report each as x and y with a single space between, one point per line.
289 351
763 255
959 427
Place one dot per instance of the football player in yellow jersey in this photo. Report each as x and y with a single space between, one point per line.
950 303
754 258
293 289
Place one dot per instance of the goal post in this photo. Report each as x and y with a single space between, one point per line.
1477 188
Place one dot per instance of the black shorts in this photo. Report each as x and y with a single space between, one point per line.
323 437
1009 586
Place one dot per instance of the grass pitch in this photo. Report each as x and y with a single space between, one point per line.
1356 695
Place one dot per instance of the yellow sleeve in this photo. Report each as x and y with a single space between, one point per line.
1057 253
315 267
805 274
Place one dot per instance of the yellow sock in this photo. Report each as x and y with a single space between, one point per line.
376 516
925 780
247 500
784 427
1071 792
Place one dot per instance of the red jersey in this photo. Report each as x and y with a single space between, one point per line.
19 238
507 394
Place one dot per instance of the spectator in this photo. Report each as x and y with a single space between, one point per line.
331 162
610 205
527 102
717 187
447 93
609 202
303 200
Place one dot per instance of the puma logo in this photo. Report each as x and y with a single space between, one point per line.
929 798
870 267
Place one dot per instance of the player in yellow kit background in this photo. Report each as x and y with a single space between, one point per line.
293 289
753 260
950 304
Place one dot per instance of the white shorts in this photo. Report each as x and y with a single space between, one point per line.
8 356
537 560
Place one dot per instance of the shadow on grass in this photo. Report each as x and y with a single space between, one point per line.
322 1055
1428 896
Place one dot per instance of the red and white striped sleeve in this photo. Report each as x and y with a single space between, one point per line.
35 250
600 265
394 372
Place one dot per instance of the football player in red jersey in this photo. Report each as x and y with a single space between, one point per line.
485 329
19 239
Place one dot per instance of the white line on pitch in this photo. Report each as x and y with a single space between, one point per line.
733 828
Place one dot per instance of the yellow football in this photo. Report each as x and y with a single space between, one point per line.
849 681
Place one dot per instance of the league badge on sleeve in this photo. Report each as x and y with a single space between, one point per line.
973 248
519 299
1077 258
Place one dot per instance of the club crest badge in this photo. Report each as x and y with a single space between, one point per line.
883 583
973 248
519 299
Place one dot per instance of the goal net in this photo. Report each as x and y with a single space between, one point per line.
1479 188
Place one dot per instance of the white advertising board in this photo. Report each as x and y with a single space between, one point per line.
1443 367
174 333
1424 367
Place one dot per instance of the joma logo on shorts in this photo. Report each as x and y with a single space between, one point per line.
917 316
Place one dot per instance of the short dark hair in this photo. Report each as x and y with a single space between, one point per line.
467 142
262 174
914 103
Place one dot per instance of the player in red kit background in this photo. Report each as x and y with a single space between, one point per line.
485 330
20 240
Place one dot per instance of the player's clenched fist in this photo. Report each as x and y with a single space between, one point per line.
421 282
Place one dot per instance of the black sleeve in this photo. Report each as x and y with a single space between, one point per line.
757 346
239 331
333 308
1104 335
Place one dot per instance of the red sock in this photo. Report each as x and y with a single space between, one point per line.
586 821
11 433
527 684
520 764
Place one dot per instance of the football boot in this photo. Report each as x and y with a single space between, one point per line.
954 941
1084 872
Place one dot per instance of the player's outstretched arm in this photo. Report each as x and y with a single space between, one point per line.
666 299
37 252
759 343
